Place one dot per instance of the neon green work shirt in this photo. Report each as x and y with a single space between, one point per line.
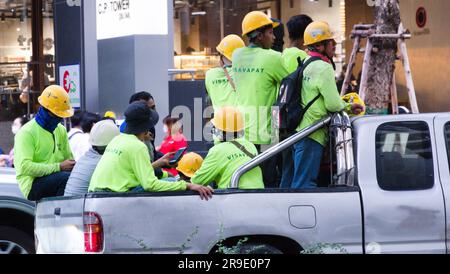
39 153
257 73
219 88
289 58
125 166
222 161
318 77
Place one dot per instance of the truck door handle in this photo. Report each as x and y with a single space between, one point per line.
58 212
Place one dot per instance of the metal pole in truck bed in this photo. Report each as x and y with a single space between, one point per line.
276 150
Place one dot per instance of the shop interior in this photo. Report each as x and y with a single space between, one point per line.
199 25
17 28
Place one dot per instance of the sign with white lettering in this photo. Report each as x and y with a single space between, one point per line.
118 18
69 79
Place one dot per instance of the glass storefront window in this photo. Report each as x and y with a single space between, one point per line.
17 28
200 25
16 51
15 54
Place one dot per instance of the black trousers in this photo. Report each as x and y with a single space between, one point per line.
49 186
271 170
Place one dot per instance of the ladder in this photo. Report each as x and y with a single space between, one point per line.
367 31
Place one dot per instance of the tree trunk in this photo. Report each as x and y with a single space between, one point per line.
382 61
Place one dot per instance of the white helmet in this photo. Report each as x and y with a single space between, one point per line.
102 133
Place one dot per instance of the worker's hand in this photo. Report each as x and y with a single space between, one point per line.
163 161
357 109
204 192
67 165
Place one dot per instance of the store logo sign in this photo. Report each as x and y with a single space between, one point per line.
73 3
69 79
68 84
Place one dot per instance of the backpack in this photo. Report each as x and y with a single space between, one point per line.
288 110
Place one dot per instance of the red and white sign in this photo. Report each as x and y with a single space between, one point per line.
69 79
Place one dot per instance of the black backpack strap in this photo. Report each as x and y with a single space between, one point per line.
309 61
299 61
243 149
311 103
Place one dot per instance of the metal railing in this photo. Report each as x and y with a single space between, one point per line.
341 131
273 151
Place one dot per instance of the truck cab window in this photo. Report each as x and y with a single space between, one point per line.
404 157
447 138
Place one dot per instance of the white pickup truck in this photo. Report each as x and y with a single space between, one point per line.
386 189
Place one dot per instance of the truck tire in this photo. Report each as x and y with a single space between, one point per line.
260 249
14 241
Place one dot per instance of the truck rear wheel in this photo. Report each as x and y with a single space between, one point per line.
14 241
260 249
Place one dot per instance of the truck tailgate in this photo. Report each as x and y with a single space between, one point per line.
59 225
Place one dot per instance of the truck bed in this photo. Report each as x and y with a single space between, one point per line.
179 222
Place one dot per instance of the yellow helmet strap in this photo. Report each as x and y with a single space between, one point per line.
254 34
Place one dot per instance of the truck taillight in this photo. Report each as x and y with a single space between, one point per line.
93 232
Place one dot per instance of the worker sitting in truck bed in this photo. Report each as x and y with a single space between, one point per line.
101 134
188 165
42 155
125 165
232 152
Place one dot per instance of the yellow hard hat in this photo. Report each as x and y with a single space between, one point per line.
317 32
229 44
255 20
189 164
228 119
55 99
110 114
353 98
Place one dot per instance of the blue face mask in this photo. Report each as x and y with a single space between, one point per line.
46 121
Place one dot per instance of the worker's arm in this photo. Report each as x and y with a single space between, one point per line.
327 87
279 71
23 158
208 171
146 176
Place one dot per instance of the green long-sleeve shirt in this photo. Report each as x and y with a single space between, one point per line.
38 153
318 78
289 58
257 73
219 88
126 165
222 161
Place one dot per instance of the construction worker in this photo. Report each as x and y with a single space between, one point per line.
219 81
318 82
232 152
111 115
258 72
188 165
296 28
42 155
101 135
125 165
